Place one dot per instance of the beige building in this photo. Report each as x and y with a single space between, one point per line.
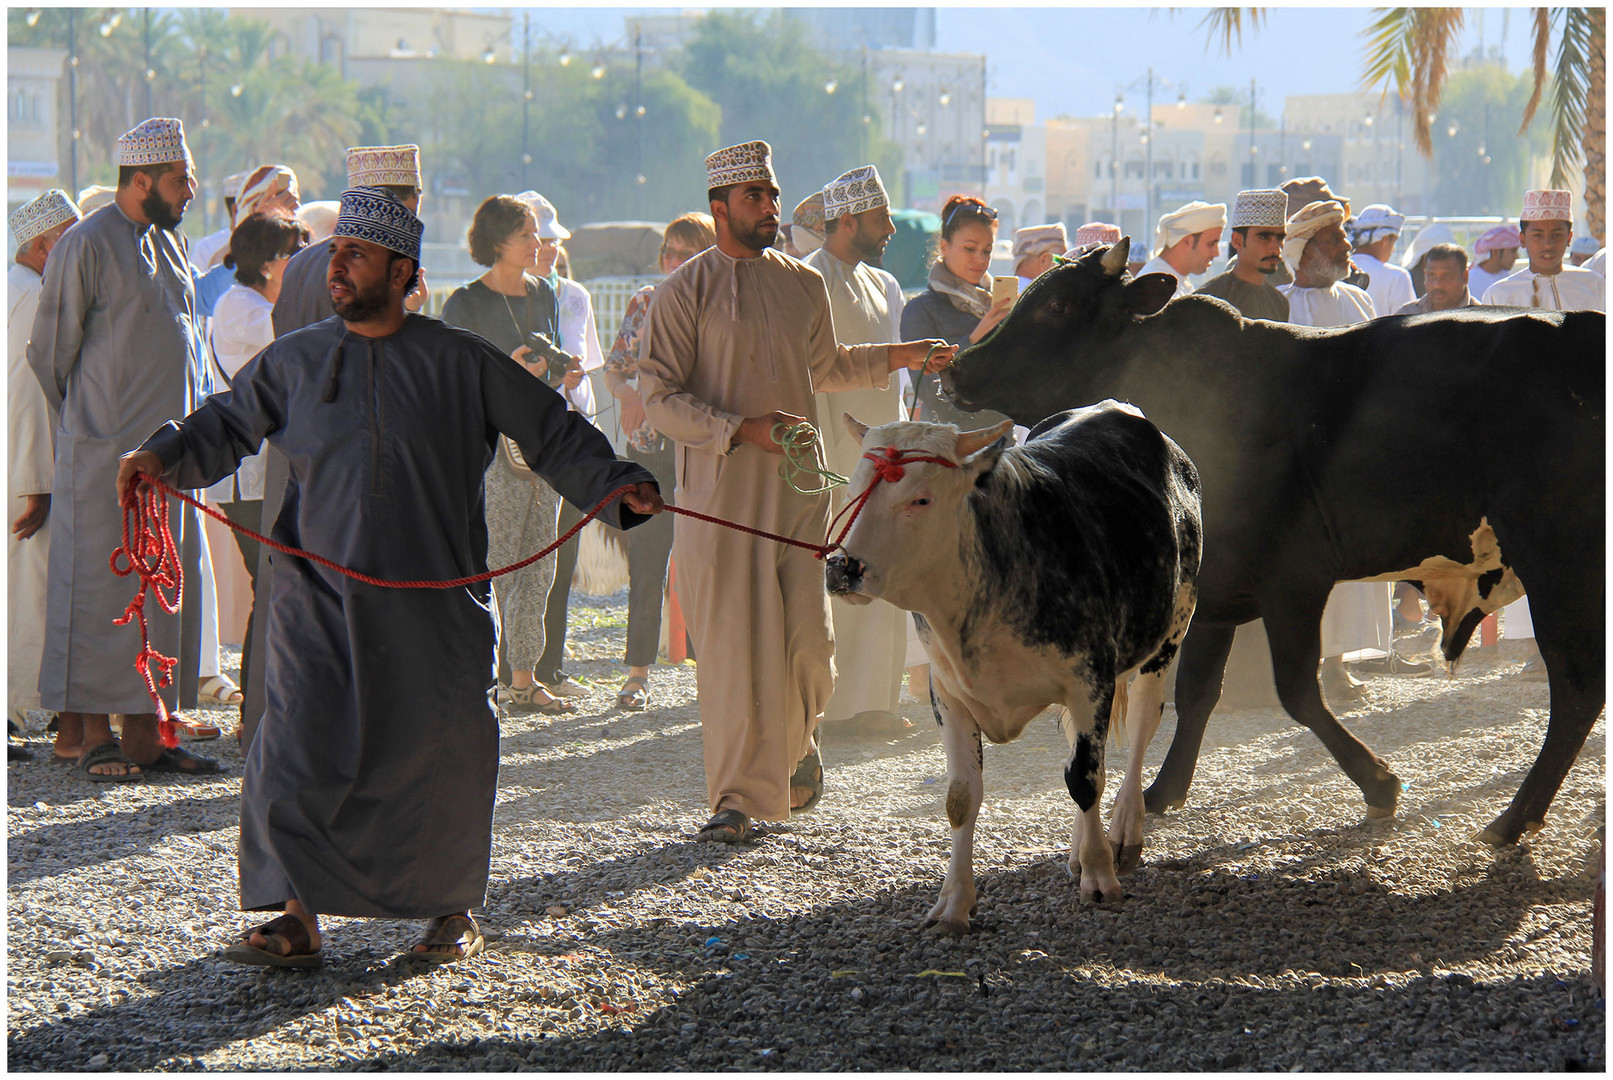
35 146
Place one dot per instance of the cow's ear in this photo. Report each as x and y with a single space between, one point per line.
970 442
857 428
1147 294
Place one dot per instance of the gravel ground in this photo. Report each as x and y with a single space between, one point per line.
1271 927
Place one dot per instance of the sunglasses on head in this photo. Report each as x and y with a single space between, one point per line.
986 213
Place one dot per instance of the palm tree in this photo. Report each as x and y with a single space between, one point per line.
1408 50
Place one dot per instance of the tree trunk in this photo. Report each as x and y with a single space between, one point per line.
1595 143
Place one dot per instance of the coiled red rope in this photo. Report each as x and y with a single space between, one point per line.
149 551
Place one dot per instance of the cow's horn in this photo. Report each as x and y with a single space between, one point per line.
857 428
971 442
1114 260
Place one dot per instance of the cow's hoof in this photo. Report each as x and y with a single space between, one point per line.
1107 895
1159 802
1127 857
1502 832
1378 813
947 927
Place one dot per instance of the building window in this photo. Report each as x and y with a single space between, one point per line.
1218 167
1163 170
1134 168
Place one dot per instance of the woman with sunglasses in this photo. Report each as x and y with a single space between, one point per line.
957 306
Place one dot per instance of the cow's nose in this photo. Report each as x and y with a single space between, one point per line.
842 573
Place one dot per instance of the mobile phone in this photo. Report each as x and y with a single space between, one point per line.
1003 286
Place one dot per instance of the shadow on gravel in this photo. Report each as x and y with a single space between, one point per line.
147 827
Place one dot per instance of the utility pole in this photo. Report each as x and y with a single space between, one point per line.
526 89
1148 159
1254 182
147 74
638 118
72 99
1114 160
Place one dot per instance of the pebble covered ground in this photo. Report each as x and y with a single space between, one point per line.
1270 927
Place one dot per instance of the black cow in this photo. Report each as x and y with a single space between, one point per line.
1296 431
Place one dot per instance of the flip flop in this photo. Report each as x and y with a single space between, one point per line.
809 774
288 928
172 760
443 933
107 753
725 827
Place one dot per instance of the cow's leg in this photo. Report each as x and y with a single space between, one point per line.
1086 726
1294 631
1146 706
1576 675
1199 671
961 737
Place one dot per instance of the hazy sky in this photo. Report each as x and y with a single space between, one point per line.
1073 59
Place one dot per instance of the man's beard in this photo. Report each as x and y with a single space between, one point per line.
362 305
159 212
1329 274
869 248
1261 266
756 237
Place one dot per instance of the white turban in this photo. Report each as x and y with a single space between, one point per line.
1375 222
1190 220
1310 220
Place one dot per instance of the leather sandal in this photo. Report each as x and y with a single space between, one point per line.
522 699
290 945
725 827
443 936
635 693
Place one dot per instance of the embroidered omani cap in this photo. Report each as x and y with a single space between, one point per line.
374 214
153 142
1260 208
1547 204
854 192
38 216
740 164
371 166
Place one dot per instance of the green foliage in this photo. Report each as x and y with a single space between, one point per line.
770 85
1486 104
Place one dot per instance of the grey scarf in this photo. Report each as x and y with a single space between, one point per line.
967 298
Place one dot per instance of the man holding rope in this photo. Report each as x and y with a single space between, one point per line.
369 787
736 341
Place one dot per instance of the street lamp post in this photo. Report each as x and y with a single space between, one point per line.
526 89
1114 159
72 98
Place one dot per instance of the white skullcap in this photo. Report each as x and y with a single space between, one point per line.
741 164
320 218
854 192
549 227
1262 208
153 142
1375 222
233 182
94 197
1310 220
1547 204
1190 220
1035 239
375 166
1096 232
38 216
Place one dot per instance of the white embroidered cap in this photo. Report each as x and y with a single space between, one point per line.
372 166
1547 204
854 192
1035 239
1261 208
153 142
38 216
740 164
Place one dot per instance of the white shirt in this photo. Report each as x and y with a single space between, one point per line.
1597 264
1575 289
33 445
1339 305
242 327
203 250
1480 279
580 336
1390 287
1158 265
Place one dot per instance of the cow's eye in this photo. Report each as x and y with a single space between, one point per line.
1058 307
920 502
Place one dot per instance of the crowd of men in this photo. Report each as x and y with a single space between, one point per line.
376 716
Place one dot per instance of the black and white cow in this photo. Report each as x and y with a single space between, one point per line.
1303 437
1046 574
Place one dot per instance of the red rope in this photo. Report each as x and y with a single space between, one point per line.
145 520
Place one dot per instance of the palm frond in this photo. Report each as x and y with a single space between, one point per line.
1226 25
1570 92
1540 31
1407 50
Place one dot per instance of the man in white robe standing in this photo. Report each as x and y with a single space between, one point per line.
1357 615
1189 241
116 350
736 341
1545 229
1373 235
866 304
36 226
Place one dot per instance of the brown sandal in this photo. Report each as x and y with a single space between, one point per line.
443 936
293 934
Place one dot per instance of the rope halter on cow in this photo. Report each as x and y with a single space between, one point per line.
890 464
